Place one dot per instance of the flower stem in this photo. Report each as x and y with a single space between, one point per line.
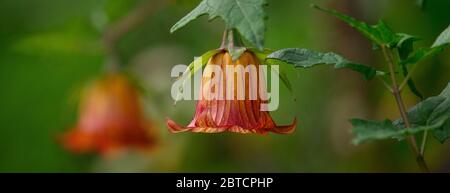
234 39
424 143
385 84
405 81
401 107
223 45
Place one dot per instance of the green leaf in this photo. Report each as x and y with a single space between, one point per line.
410 82
432 113
380 33
443 39
247 16
441 42
283 76
262 57
366 130
304 58
443 133
196 65
421 54
236 52
405 46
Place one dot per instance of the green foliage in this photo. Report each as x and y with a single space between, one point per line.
430 114
407 56
245 16
421 54
434 113
304 58
262 56
441 42
366 130
442 133
405 46
405 49
443 39
411 85
380 33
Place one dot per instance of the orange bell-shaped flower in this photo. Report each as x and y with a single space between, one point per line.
110 119
224 115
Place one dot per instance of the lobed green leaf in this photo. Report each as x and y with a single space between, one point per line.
366 130
443 39
247 16
304 58
430 114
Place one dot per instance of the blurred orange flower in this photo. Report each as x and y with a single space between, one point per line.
239 116
110 119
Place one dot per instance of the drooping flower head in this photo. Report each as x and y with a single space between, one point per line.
221 114
110 119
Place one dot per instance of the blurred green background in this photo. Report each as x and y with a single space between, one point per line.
50 48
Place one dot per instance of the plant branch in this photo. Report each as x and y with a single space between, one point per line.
385 84
424 143
123 26
405 81
401 107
